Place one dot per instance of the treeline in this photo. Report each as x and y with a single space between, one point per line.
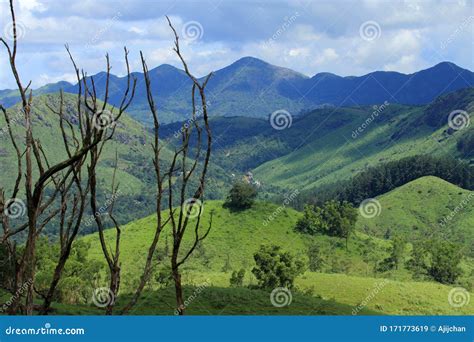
380 179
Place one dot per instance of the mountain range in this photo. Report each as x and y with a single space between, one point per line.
254 88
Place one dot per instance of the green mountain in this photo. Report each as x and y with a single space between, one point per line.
251 87
335 144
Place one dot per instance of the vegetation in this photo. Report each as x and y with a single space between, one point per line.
275 268
241 196
333 219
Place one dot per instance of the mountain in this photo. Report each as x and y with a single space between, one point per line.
328 145
253 88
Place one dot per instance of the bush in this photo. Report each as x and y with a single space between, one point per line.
333 219
275 268
241 196
237 278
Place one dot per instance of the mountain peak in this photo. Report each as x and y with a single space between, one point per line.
249 60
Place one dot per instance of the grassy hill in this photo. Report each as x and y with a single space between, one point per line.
425 207
347 276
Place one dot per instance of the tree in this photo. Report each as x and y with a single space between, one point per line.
275 268
437 259
444 262
51 189
315 257
188 162
241 196
333 219
237 278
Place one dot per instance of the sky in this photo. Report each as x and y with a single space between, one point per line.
344 37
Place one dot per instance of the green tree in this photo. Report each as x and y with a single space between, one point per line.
315 257
333 218
237 278
275 268
241 196
437 259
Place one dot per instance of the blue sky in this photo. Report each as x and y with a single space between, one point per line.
342 37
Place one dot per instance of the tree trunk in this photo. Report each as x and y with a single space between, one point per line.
179 291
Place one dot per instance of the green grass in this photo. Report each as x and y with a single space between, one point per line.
347 277
393 297
417 208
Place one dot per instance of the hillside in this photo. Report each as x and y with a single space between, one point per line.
131 141
347 274
330 147
251 87
426 207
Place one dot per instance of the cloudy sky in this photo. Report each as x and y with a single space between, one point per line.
338 36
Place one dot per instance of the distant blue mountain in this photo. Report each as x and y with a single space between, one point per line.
253 88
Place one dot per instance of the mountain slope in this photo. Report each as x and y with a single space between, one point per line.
334 144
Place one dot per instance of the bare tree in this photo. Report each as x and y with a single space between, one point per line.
64 177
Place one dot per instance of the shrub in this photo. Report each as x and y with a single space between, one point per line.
275 268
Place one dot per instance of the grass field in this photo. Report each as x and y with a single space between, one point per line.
347 275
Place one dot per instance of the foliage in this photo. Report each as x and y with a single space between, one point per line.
438 259
241 196
237 278
315 257
333 219
275 268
